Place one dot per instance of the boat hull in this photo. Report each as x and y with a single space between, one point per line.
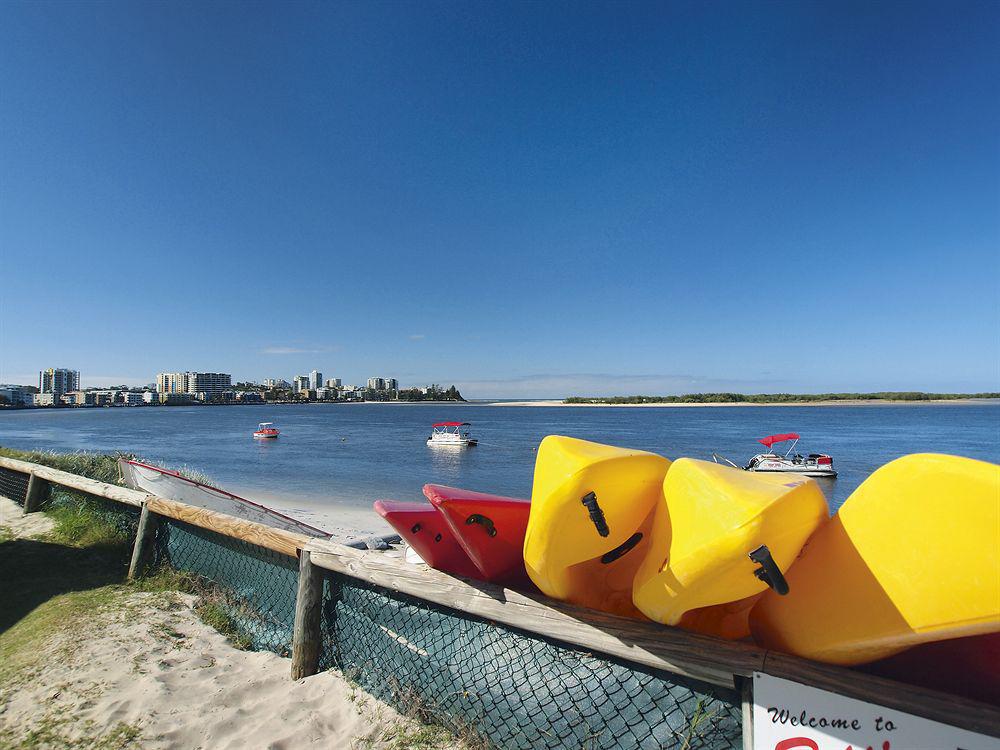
490 528
461 443
588 529
808 472
911 557
697 572
425 530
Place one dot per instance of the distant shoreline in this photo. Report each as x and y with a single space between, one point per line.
715 404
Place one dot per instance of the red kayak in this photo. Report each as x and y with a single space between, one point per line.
490 529
428 533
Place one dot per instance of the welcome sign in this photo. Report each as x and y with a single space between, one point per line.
791 716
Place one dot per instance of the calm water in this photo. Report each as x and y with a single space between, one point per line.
345 454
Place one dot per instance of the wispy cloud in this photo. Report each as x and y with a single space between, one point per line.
297 349
417 336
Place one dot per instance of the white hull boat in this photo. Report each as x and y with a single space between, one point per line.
451 435
813 465
173 486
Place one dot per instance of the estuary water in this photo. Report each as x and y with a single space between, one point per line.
338 458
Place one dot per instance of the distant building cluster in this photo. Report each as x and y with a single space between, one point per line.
58 386
314 387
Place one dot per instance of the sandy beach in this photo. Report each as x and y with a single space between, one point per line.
853 402
120 667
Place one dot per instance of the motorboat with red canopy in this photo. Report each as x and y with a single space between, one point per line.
813 465
451 434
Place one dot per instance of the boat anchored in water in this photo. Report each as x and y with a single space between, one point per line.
266 430
451 434
813 465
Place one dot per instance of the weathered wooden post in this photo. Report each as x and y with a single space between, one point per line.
144 536
38 491
306 635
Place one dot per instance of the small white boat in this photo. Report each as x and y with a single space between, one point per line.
451 434
266 430
813 465
173 486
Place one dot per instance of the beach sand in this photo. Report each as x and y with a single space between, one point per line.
854 402
146 672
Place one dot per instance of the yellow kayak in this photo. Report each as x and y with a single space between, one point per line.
591 509
720 537
912 556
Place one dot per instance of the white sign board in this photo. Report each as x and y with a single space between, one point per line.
790 716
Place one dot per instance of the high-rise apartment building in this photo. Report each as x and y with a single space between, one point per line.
300 383
58 380
315 380
209 383
171 382
391 384
376 384
333 382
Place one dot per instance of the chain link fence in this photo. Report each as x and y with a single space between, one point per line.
13 485
511 689
256 586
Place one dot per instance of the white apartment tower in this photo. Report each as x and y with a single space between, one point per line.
58 380
209 383
315 380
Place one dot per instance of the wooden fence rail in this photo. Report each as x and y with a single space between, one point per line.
711 660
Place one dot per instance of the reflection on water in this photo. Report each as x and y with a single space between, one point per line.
446 461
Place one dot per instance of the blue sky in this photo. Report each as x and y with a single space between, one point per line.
525 199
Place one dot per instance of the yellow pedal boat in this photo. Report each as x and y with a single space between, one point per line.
588 529
720 537
912 556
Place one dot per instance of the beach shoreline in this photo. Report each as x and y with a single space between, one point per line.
716 404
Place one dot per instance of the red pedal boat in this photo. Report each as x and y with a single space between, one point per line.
426 530
490 528
266 431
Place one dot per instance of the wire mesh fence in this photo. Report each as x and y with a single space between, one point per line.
257 585
13 485
512 689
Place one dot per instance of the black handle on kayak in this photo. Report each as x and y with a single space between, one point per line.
483 521
589 501
768 571
621 549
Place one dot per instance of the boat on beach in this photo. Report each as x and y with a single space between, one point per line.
266 431
451 434
173 486
813 465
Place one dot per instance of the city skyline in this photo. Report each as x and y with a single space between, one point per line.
525 201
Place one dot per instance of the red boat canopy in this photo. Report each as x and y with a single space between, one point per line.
772 439
452 424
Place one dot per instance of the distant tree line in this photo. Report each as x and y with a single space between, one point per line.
434 393
778 398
